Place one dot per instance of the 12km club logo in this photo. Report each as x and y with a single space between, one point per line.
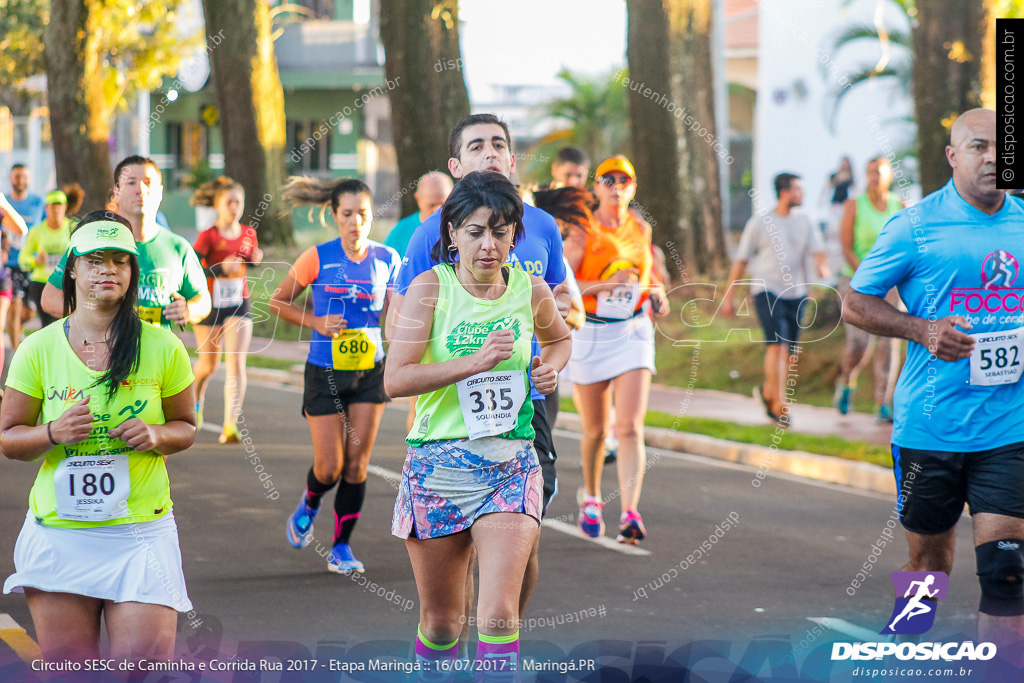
917 596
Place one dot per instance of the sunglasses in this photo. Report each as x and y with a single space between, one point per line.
613 180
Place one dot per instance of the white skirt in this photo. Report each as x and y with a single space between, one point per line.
602 351
138 562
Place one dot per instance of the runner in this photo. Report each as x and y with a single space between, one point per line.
615 350
862 222
11 222
351 279
172 287
32 209
102 399
958 436
481 142
225 250
463 342
43 248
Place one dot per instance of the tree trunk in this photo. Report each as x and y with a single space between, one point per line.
79 114
652 126
251 104
671 99
421 44
948 46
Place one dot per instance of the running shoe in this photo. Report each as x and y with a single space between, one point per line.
841 399
884 415
199 416
342 561
300 525
631 528
591 521
230 434
611 450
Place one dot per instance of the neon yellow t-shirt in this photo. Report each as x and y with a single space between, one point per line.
53 243
99 481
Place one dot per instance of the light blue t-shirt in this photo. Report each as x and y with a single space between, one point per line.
33 209
945 258
398 238
538 252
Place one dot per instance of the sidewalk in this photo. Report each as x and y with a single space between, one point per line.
696 403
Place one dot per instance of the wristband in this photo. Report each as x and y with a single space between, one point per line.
49 433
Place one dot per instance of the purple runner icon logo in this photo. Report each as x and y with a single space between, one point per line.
917 596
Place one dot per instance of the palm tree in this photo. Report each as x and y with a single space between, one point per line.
596 119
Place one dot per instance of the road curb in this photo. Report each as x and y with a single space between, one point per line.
860 475
851 473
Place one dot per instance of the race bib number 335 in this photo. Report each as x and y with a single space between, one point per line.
490 402
998 357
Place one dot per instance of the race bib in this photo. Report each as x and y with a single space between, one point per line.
151 314
998 357
228 292
490 401
92 488
620 303
356 349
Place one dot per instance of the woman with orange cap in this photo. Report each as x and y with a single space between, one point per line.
614 267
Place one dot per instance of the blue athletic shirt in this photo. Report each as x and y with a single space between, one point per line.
342 286
33 209
538 251
946 257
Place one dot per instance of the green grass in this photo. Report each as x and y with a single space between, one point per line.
764 435
698 348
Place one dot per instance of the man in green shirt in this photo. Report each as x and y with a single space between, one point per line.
172 284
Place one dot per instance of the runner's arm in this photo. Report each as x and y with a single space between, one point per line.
52 300
548 324
173 436
846 224
739 267
12 219
20 437
875 315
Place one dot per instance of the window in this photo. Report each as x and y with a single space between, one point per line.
305 153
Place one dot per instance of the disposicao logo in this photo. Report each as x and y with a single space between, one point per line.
917 596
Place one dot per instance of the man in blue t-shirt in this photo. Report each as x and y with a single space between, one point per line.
958 435
481 142
32 208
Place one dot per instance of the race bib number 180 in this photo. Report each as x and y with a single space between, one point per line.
998 357
92 488
490 401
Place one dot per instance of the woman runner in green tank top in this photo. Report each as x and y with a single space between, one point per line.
471 478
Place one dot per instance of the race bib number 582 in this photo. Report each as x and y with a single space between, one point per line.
998 357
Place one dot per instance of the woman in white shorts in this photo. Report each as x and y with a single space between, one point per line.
100 399
615 349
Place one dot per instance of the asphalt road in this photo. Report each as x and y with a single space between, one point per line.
736 570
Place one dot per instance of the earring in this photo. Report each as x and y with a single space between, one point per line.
452 247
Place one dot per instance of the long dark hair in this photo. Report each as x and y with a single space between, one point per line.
308 191
569 206
124 334
480 189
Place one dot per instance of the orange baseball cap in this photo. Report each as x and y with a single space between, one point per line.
616 163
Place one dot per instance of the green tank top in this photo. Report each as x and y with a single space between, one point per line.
496 402
868 225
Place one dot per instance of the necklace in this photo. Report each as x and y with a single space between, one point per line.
85 342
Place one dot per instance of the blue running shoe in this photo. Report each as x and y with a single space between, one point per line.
342 561
841 400
884 415
631 528
300 525
591 521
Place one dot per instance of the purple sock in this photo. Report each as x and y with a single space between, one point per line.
497 658
433 657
